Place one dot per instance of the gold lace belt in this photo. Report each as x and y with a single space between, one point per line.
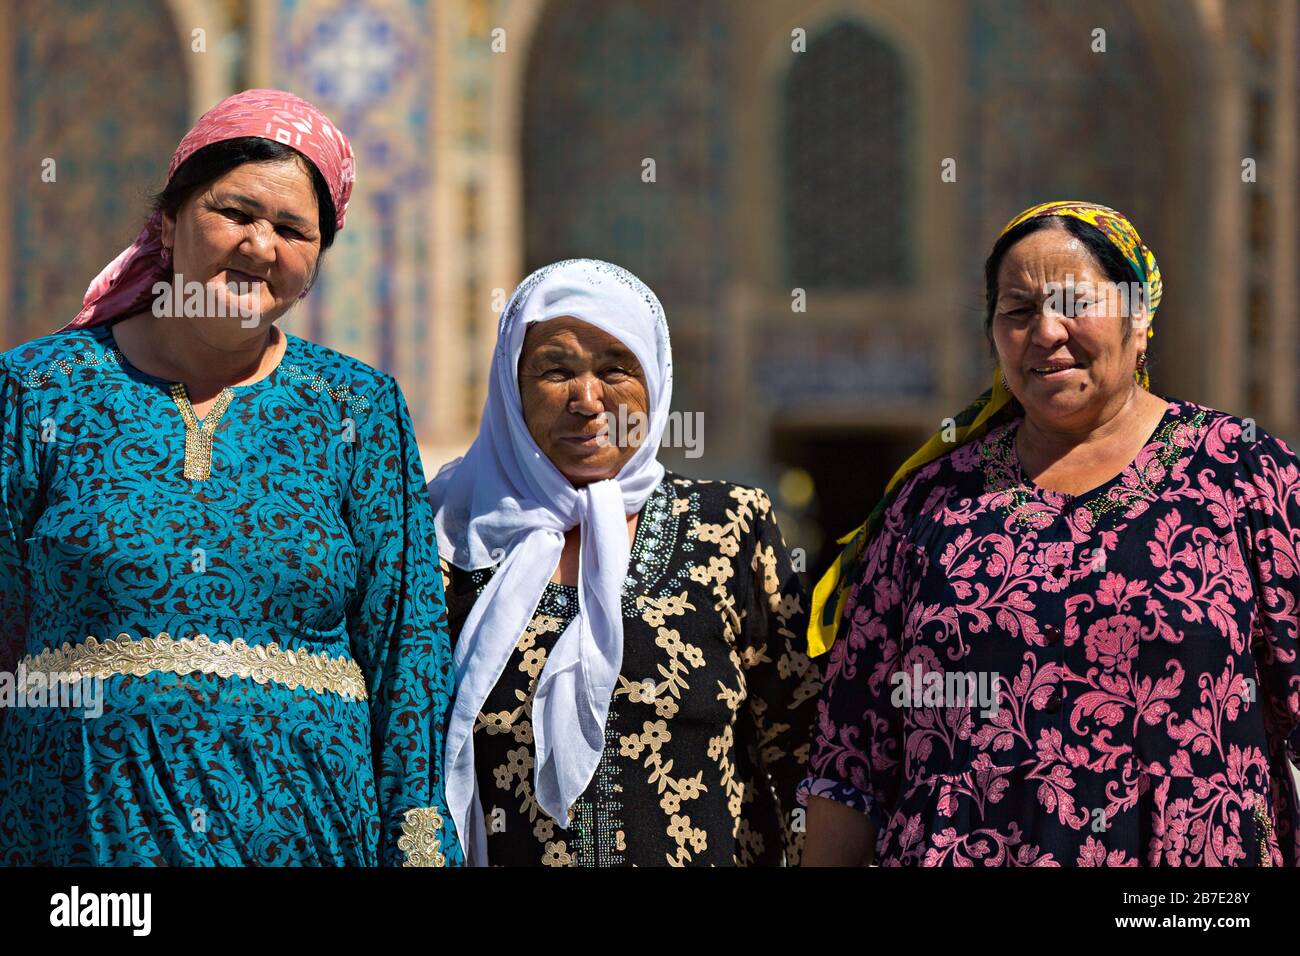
263 663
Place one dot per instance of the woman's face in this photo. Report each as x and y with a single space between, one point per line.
577 384
1070 367
257 225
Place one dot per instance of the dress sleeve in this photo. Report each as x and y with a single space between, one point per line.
1271 491
782 680
397 620
858 740
19 493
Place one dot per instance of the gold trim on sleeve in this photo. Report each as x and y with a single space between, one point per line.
263 663
419 839
1263 831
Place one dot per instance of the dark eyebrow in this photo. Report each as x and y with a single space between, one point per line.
558 353
258 207
619 354
553 353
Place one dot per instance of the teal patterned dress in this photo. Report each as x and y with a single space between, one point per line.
247 668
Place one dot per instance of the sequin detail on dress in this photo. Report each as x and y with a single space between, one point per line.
87 359
340 393
198 435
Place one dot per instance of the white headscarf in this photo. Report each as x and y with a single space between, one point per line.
505 502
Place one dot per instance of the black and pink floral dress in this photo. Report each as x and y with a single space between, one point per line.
1139 646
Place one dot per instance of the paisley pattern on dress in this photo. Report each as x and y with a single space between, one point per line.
308 554
1142 640
707 733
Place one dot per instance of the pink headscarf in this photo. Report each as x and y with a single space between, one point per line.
127 282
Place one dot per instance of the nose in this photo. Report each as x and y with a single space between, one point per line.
1049 329
258 244
586 395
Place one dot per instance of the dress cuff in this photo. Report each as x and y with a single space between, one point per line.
420 843
840 792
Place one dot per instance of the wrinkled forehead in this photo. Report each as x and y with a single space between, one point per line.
1051 254
566 335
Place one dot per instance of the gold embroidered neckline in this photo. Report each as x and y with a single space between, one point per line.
198 435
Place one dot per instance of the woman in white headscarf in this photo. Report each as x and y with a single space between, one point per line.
632 682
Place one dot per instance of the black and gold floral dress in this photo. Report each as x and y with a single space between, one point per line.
707 734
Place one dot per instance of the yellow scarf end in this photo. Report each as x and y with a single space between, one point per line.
833 587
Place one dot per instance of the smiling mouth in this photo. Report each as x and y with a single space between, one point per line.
1053 371
236 277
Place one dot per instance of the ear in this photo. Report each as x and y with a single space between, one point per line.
168 231
1141 318
311 280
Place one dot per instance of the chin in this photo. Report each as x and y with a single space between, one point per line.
268 310
266 317
1062 407
585 471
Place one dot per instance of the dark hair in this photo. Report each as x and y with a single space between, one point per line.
1111 260
217 159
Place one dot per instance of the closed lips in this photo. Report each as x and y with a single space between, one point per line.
234 275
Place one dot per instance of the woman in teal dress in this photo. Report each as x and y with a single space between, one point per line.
222 628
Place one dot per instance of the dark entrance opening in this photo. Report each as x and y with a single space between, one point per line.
849 468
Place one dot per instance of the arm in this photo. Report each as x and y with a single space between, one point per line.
1271 491
398 625
19 493
838 835
783 681
856 766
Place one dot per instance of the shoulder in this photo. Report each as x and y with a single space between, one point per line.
987 456
1232 460
716 501
1227 438
336 375
58 357
310 359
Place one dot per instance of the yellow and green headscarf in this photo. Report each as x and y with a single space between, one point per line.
832 591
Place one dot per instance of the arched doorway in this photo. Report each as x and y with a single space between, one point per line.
100 90
623 154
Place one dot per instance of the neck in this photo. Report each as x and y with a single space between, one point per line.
566 572
1053 439
178 349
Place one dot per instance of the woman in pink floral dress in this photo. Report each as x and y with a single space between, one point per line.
1071 640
